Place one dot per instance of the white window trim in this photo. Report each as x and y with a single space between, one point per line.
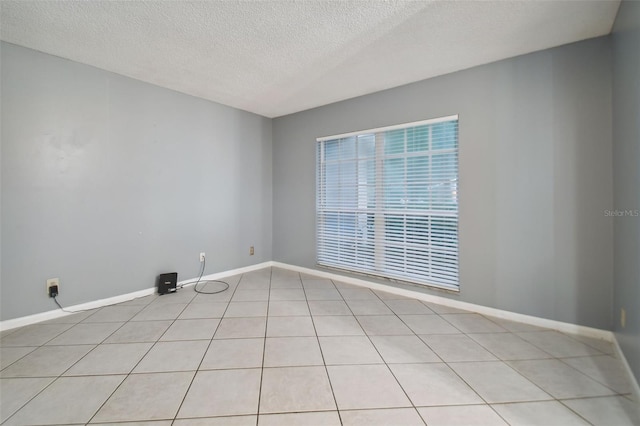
388 128
355 269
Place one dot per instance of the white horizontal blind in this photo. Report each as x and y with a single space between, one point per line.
387 202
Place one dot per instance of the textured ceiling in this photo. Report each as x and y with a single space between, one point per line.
279 57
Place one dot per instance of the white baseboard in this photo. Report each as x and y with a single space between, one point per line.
527 319
220 275
58 313
498 313
635 389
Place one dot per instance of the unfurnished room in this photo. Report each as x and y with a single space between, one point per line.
316 212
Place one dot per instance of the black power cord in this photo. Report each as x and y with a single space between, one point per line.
195 287
55 299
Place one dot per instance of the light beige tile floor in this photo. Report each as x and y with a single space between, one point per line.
279 348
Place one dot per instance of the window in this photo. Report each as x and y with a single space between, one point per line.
387 202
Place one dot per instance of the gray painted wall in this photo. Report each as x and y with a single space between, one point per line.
626 176
108 181
535 177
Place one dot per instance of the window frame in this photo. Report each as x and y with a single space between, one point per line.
379 212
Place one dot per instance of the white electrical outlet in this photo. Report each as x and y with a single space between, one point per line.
202 257
53 282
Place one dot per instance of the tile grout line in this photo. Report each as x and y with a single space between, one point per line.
505 362
561 402
13 362
498 359
510 332
501 361
324 362
443 361
385 361
55 378
204 354
561 359
264 348
59 376
153 344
